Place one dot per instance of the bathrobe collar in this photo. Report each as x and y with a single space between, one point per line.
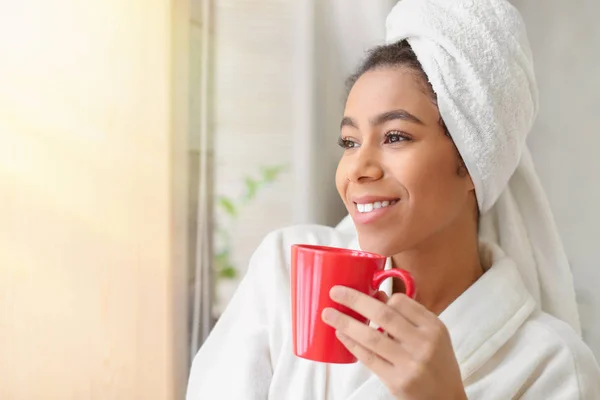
487 314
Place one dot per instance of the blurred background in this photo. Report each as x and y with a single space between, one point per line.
146 148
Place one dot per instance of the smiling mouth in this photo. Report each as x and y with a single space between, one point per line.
370 207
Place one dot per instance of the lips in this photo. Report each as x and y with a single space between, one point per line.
370 208
372 199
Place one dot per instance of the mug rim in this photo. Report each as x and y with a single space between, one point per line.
339 251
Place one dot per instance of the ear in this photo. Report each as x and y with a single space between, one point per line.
470 184
464 173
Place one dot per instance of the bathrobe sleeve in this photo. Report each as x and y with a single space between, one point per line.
235 362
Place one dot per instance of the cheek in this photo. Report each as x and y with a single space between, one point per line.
435 189
341 182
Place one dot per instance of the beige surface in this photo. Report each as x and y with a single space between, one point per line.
91 265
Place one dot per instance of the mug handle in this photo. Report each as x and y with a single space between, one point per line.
401 274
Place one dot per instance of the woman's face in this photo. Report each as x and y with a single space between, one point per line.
398 174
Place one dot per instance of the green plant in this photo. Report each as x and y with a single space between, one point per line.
231 209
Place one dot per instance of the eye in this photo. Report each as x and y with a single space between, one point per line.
395 137
347 143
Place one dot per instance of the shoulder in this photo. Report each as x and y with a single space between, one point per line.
555 335
561 358
268 273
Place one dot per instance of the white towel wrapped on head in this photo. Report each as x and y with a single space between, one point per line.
478 60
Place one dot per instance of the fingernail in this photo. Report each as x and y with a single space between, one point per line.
328 315
341 336
337 292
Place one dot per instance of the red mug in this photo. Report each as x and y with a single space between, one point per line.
315 270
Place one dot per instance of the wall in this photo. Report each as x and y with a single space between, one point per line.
92 270
252 126
565 38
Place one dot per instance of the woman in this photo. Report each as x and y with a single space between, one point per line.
435 175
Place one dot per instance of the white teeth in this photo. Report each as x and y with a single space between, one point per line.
368 207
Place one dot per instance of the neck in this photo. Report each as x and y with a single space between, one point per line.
443 266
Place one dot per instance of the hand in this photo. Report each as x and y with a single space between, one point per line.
414 358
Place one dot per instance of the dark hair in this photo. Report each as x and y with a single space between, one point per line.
396 55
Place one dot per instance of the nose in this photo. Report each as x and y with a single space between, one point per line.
365 166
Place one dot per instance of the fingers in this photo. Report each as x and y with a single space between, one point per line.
368 358
380 313
381 296
368 338
412 310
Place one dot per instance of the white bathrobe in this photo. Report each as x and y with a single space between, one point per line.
505 348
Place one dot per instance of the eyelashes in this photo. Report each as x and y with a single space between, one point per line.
391 137
396 136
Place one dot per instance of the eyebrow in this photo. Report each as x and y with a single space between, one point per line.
383 118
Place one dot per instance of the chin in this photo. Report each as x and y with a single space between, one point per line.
386 246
